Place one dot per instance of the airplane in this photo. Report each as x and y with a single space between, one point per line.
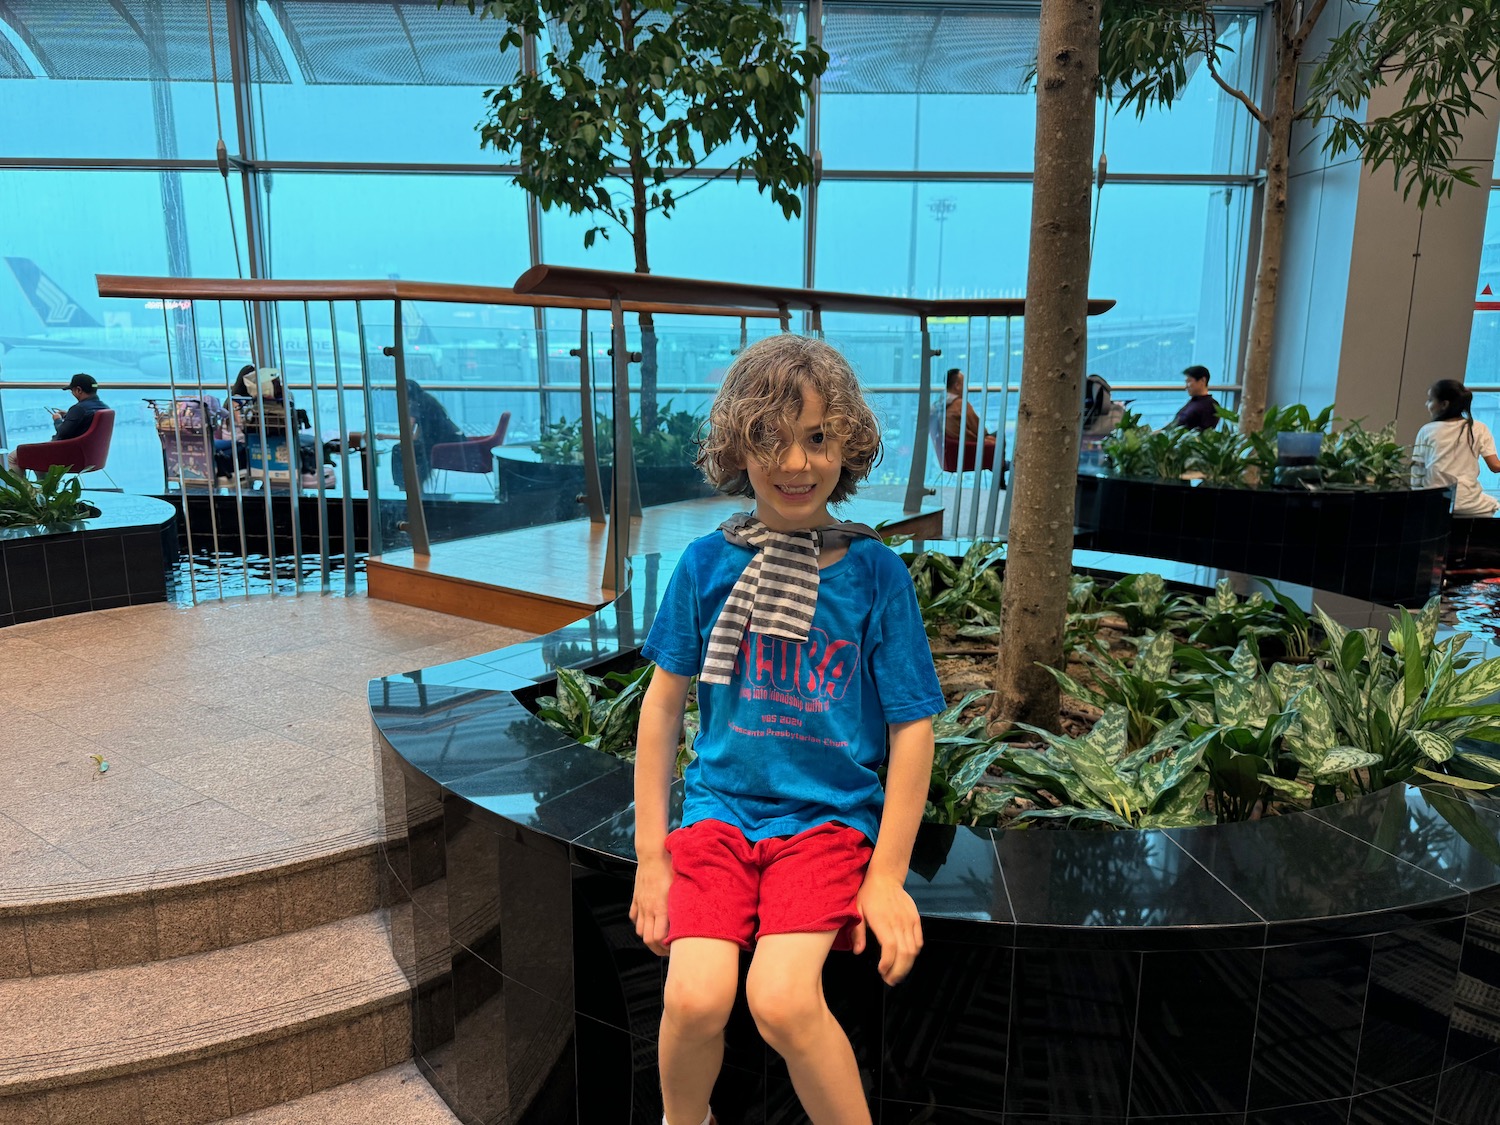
70 329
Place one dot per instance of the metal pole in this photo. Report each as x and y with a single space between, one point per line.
1000 445
416 519
293 455
617 549
324 584
998 472
915 489
592 492
208 449
372 447
234 446
338 387
187 519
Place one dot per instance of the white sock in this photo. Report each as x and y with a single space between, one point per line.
706 1120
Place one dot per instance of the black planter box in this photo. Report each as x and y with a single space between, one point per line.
120 557
1385 546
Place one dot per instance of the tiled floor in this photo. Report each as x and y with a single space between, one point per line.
236 732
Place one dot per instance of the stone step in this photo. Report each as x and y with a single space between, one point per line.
204 1037
110 923
397 1096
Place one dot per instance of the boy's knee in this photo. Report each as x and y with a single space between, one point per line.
784 1010
699 1007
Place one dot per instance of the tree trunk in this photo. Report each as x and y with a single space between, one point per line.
1039 559
1257 378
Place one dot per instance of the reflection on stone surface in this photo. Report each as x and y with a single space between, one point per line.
1475 1026
947 1025
1072 1017
1188 1000
1312 1003
1413 977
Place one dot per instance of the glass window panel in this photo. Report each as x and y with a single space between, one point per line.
722 231
377 82
927 87
1484 341
138 73
425 227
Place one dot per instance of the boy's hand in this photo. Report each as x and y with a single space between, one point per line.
891 915
648 908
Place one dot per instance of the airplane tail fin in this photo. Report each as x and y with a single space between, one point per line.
418 333
51 302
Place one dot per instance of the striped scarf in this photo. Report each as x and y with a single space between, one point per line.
777 592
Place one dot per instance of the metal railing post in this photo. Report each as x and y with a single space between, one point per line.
416 519
593 493
916 481
617 549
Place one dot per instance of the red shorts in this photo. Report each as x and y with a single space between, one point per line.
803 884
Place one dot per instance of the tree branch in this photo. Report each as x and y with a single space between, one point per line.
1238 95
1309 22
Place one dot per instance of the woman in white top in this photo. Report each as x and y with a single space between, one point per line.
1449 448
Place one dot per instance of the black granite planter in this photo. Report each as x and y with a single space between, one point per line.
120 557
1334 966
1388 547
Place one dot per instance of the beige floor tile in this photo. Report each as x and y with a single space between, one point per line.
31 861
205 832
108 803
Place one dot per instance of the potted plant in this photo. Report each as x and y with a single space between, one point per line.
49 502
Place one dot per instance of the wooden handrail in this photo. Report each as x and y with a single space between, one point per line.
572 281
390 289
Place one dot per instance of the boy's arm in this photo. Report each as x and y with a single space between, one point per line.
655 757
884 905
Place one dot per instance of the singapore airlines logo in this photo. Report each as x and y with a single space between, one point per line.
60 308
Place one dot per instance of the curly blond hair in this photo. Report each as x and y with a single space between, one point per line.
760 400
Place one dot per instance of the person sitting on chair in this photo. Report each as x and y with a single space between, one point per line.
76 419
962 425
267 385
430 425
1200 412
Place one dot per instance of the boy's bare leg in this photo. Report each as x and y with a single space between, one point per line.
703 975
785 993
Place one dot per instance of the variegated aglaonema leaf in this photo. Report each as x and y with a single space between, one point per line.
1234 701
1433 744
1154 660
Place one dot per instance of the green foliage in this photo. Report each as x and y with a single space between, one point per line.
1409 706
1440 54
966 593
1099 779
1219 454
1262 453
603 713
1357 457
1145 604
962 753
1145 689
51 499
651 89
674 441
1224 619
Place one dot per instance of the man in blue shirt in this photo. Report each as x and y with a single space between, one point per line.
1200 412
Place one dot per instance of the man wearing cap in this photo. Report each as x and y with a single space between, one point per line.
69 424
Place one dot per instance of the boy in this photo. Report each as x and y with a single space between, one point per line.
808 645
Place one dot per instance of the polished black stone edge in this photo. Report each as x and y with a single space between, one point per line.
119 558
1297 877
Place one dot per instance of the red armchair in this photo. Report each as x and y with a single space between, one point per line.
82 454
472 455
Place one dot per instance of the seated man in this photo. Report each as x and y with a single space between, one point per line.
961 425
1200 412
77 418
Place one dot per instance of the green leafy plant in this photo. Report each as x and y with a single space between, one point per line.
46 502
1099 779
967 593
962 754
1125 450
1085 613
1146 605
604 712
1262 455
1224 618
1144 689
1246 723
1361 458
672 443
1218 454
1409 706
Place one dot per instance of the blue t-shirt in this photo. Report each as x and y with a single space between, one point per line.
794 740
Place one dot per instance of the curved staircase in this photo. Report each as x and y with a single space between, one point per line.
196 935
